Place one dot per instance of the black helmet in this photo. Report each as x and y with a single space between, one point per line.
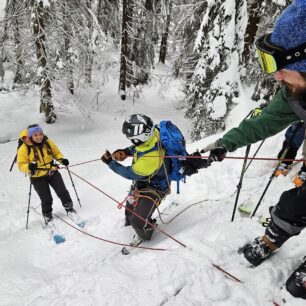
138 128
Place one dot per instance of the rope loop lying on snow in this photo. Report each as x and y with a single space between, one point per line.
129 209
99 238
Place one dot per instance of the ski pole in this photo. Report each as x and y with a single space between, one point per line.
244 167
28 211
14 161
243 170
273 174
74 186
254 155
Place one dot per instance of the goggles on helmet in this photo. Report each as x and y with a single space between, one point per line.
138 128
273 58
138 139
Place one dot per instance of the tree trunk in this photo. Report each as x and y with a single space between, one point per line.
67 46
4 38
46 105
126 18
251 30
164 40
18 79
89 53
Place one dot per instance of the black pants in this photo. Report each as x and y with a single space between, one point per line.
290 212
42 187
145 207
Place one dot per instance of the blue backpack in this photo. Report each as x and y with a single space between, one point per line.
174 144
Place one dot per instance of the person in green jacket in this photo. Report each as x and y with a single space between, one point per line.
282 52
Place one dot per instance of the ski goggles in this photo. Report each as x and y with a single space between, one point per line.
141 138
273 58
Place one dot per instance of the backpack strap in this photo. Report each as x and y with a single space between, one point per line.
140 154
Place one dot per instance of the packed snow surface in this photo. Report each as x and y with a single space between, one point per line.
87 271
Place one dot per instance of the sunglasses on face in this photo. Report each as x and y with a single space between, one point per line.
273 58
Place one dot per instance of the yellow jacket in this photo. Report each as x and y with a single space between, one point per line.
142 163
42 154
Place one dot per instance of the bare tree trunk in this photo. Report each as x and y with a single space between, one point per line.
251 30
18 79
67 46
4 38
89 53
164 40
124 49
46 105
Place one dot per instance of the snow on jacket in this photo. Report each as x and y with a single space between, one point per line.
274 118
44 155
147 163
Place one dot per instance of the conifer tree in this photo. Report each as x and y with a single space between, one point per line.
213 88
262 16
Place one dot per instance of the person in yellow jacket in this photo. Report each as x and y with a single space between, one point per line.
36 157
149 175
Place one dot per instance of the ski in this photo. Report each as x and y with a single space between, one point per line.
54 233
76 219
246 208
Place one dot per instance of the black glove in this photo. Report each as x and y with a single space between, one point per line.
106 157
191 165
32 167
65 162
217 151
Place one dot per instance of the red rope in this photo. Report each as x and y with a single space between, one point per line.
106 240
226 157
86 162
228 274
128 209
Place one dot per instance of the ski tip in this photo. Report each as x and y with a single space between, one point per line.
58 239
245 210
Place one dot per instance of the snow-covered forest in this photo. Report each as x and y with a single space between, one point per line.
79 69
59 48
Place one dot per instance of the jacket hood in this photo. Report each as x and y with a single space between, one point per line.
23 136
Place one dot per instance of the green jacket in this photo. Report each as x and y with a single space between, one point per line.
274 118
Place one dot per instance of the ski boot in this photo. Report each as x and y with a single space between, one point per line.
136 241
300 179
257 251
263 247
296 283
75 218
282 169
47 217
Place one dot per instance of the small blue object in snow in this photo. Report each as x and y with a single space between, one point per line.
58 239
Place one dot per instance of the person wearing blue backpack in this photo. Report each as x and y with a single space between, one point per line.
151 172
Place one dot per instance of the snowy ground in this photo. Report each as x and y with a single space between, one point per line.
85 271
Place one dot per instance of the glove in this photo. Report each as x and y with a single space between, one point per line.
217 151
191 165
256 112
106 157
32 167
120 154
65 162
